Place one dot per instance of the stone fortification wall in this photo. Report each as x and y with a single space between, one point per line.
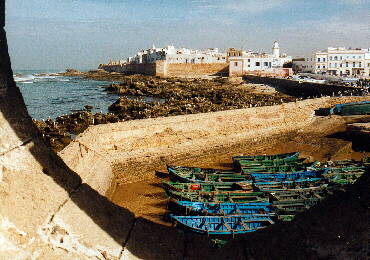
178 70
295 88
164 139
164 69
145 69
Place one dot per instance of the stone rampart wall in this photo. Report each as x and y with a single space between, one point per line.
175 70
152 140
303 89
164 69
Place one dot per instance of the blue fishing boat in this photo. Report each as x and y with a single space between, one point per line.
224 208
287 176
354 108
224 225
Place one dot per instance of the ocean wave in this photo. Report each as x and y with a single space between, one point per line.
22 78
38 77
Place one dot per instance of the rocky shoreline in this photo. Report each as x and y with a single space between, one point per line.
179 96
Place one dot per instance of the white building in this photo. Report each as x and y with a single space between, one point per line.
337 62
170 54
242 63
305 64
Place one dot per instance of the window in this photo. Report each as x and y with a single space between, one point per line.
236 64
346 64
336 58
360 64
318 66
258 64
318 59
354 64
323 59
249 60
265 64
323 66
331 57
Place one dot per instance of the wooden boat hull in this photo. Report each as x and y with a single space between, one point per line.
287 176
265 157
223 225
347 109
232 197
209 187
176 175
202 208
301 183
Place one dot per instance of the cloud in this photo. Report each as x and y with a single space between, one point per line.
353 2
246 6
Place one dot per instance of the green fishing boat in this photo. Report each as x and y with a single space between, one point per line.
265 156
278 169
209 187
277 162
355 108
302 194
283 185
177 173
233 197
292 207
343 179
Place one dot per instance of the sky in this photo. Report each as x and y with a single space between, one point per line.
81 34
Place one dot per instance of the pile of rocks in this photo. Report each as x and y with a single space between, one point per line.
186 96
179 96
59 133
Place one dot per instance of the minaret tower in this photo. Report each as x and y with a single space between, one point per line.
276 50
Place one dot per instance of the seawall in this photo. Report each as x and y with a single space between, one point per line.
304 89
164 69
162 140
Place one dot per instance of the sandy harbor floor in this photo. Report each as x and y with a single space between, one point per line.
146 198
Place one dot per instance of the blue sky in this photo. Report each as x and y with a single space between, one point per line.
59 34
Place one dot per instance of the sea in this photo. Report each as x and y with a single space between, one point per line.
48 95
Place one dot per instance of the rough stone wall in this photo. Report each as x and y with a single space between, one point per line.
175 70
302 89
153 140
164 69
46 211
145 69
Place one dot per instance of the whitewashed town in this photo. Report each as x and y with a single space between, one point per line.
348 64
